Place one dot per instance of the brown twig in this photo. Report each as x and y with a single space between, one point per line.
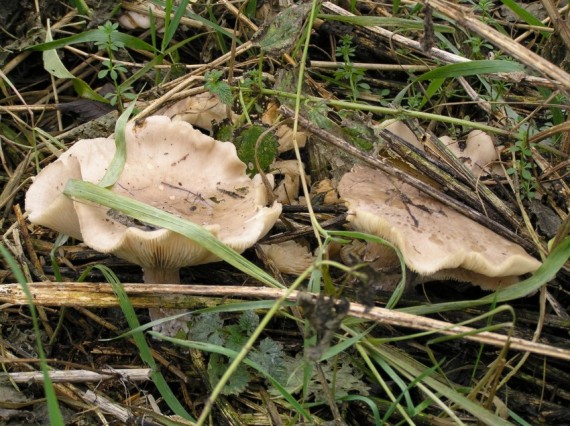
171 295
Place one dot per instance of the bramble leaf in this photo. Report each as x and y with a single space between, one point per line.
245 144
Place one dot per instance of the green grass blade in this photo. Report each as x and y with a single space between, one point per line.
375 239
342 346
174 23
382 21
118 163
231 307
412 369
463 69
367 401
125 85
200 19
53 65
93 36
54 412
144 350
89 192
543 275
524 14
406 393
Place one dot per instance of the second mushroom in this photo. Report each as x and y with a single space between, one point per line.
436 241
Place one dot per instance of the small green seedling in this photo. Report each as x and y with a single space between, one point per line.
354 76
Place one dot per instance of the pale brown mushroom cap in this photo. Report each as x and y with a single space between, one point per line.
400 129
283 132
431 236
45 201
287 192
479 154
200 110
132 20
176 168
289 257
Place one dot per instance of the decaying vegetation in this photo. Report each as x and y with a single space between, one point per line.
408 164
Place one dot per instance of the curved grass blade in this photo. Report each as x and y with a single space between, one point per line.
54 66
200 19
525 15
367 401
54 412
94 36
412 369
118 162
144 350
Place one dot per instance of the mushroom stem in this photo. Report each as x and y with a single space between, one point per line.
165 276
161 276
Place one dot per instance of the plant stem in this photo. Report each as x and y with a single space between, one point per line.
392 111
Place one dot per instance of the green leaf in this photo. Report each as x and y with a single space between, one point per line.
340 371
245 144
218 87
55 67
471 68
270 356
237 384
233 354
207 328
353 134
525 15
248 322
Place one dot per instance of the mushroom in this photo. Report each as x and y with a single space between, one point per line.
283 132
287 191
326 190
171 166
479 153
288 257
201 110
132 20
399 128
433 238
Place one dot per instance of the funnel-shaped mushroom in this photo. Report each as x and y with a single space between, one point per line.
432 237
171 166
